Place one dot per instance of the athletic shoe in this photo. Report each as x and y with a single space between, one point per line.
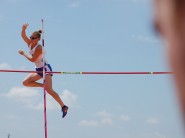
64 111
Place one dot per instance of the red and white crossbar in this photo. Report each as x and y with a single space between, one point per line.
98 73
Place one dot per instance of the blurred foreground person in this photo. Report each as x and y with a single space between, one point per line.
169 20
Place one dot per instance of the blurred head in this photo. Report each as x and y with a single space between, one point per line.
169 17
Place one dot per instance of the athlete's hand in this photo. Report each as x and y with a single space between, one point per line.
21 52
24 27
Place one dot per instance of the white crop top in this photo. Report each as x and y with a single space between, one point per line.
39 61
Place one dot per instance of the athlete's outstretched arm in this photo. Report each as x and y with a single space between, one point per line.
23 33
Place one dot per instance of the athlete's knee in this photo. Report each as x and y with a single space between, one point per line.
25 82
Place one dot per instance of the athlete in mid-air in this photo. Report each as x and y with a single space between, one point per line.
36 56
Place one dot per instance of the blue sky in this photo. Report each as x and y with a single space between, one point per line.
88 35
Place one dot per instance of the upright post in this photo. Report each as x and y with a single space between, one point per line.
44 88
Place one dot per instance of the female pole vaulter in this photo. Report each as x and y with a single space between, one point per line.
37 58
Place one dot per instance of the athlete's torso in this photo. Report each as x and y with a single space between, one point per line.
39 61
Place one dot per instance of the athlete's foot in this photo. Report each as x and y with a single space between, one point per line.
64 111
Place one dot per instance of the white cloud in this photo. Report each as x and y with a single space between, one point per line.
153 121
74 5
85 123
50 104
150 135
104 119
106 122
159 135
124 118
22 94
104 114
140 1
33 99
4 65
38 106
145 39
69 98
96 123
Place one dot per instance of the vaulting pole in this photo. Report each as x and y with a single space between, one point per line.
44 88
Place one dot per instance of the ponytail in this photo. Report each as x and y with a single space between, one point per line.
38 33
